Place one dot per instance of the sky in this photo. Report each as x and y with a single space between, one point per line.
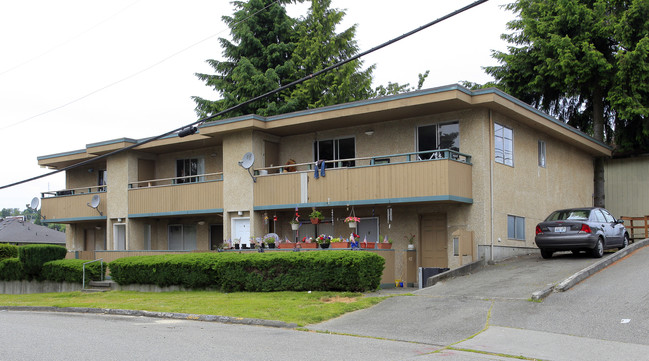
76 72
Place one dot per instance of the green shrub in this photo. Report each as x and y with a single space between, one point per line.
33 257
71 270
8 251
255 272
11 269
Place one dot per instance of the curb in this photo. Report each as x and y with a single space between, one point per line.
167 315
579 276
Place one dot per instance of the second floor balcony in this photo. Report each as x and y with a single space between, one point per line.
431 176
74 204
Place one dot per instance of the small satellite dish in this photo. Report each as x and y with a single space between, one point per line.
248 160
246 163
94 203
34 203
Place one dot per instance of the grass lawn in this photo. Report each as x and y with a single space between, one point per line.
301 308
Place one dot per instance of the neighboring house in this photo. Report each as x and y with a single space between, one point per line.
469 173
17 231
626 182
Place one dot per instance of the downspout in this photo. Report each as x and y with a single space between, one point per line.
491 182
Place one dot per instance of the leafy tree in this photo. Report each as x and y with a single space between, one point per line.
8 212
583 61
258 61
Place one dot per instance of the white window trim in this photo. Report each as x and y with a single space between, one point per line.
543 160
516 236
504 160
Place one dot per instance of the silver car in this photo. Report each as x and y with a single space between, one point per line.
580 229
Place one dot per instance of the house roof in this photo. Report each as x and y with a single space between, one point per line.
400 106
16 230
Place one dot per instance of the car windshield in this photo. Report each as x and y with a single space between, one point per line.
570 215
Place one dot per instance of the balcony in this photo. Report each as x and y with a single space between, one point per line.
433 176
198 194
73 204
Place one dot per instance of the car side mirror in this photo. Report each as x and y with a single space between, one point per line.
620 221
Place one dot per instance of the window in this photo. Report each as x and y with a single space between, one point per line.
456 246
541 153
185 168
438 136
504 145
182 237
516 228
335 149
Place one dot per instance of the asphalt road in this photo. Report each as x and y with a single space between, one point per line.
487 315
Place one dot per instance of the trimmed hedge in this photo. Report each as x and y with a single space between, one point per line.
8 251
71 270
11 269
33 257
255 272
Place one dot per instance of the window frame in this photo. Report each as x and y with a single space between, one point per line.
516 228
183 235
504 141
335 151
437 127
542 154
190 178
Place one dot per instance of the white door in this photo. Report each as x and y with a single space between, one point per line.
119 237
241 230
368 228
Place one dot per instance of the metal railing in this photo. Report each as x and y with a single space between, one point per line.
379 160
74 191
84 271
199 178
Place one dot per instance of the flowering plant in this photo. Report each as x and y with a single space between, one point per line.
323 239
294 221
410 238
352 219
307 240
387 240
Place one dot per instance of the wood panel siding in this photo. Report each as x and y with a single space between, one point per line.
176 198
415 181
626 186
72 207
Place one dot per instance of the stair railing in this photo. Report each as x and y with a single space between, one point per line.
84 271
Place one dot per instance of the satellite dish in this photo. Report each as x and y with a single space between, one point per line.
248 160
34 203
94 203
246 163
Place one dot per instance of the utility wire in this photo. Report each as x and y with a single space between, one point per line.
282 88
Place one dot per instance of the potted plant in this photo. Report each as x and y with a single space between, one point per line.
270 241
367 245
323 241
295 224
307 242
237 241
411 240
339 243
386 244
316 217
351 221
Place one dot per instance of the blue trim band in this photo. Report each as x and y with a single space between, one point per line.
368 202
179 213
77 219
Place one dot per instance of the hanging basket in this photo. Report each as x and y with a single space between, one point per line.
352 224
295 226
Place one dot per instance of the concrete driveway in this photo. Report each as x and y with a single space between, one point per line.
459 312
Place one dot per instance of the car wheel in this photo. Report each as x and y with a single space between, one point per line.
546 253
598 251
625 241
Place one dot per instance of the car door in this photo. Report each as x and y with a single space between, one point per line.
598 218
616 230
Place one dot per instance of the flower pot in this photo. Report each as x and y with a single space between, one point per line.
368 245
339 245
236 246
271 245
315 220
244 246
352 224
384 245
324 245
308 245
295 226
411 246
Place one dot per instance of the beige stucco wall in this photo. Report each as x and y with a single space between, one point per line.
212 157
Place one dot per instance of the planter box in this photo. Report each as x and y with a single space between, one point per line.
308 245
368 245
382 245
339 245
285 245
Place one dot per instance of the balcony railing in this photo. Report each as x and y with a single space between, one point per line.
202 193
74 191
440 175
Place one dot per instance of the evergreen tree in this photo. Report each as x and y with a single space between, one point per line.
257 62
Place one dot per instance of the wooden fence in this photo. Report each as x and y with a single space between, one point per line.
638 227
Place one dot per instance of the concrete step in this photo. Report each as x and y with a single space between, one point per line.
101 284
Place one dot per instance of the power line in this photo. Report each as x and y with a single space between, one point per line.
282 88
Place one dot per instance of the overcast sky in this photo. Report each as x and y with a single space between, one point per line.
75 72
